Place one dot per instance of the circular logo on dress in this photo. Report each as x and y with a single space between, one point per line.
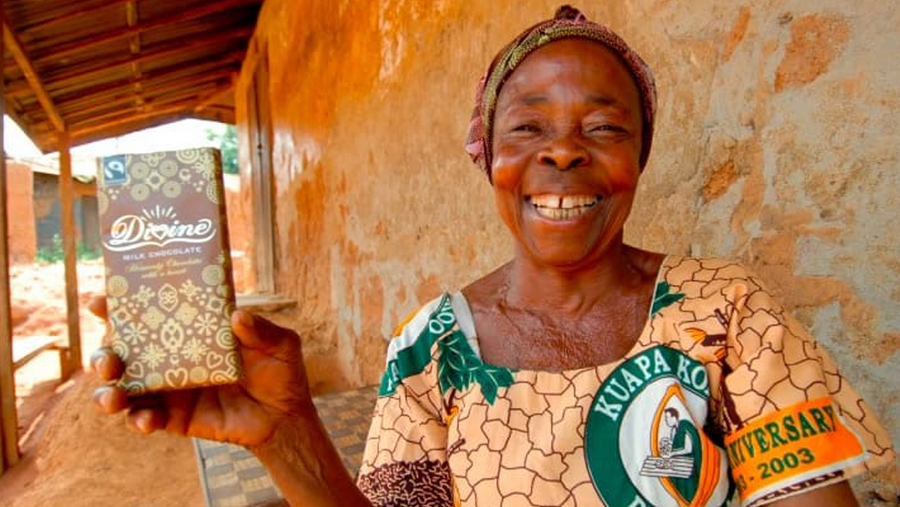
644 438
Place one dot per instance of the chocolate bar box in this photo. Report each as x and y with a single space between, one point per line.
169 286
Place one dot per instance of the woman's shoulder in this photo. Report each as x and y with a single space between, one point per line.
411 347
689 270
709 283
430 321
409 350
409 329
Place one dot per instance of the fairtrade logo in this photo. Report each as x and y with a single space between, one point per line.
157 227
114 170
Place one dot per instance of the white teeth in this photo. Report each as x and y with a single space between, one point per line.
546 200
560 213
563 201
561 207
572 201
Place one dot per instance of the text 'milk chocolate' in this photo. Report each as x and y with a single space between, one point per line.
168 269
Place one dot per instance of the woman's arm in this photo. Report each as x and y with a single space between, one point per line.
307 468
834 495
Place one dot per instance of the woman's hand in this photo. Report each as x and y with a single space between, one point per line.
273 389
270 411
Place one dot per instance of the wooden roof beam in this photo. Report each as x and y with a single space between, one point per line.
213 96
171 77
186 99
216 112
101 132
58 16
174 75
134 45
19 117
59 51
151 80
88 128
148 94
15 48
187 42
81 74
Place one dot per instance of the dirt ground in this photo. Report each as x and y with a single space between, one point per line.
73 456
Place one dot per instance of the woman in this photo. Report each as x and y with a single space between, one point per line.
582 372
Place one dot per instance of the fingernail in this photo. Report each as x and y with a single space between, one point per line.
97 360
143 423
101 396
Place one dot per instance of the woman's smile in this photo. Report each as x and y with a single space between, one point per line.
562 207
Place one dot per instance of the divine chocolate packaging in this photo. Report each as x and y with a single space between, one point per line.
169 287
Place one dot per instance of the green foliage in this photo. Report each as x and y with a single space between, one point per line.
56 252
227 143
85 253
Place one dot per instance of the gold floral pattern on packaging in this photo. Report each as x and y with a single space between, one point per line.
169 288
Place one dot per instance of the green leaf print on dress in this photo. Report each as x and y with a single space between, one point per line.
413 359
662 298
459 366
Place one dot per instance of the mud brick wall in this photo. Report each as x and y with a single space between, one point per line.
20 209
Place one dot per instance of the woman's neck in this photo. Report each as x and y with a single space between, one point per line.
573 291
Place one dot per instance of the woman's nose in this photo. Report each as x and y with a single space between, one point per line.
564 153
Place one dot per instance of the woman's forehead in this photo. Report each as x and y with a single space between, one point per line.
562 62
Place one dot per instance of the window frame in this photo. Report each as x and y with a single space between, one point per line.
261 176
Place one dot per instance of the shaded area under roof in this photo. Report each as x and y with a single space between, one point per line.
104 68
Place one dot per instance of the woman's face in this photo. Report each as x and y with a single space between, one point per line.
566 147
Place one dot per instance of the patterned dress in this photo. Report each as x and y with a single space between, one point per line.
722 393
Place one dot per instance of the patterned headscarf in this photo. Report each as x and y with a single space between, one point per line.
568 23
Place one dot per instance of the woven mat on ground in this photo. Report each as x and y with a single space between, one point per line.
232 477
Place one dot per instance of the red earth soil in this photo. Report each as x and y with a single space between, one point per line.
71 455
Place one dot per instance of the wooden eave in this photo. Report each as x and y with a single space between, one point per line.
93 69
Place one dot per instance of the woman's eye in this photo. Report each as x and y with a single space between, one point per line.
526 128
603 128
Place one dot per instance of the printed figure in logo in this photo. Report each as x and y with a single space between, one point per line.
677 454
681 453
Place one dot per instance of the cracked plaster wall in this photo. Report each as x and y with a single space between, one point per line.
776 145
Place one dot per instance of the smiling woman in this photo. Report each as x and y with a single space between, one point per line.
583 372
566 147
